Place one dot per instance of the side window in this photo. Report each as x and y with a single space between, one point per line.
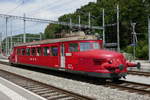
18 51
73 47
28 51
23 51
39 51
54 51
46 51
33 52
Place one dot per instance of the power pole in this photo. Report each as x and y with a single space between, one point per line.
134 39
79 18
70 25
6 40
118 34
24 35
11 44
1 40
149 36
89 20
103 27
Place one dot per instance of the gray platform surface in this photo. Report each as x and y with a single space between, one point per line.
10 91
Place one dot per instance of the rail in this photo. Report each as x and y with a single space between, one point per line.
45 90
140 73
132 87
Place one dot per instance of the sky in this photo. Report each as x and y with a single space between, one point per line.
44 9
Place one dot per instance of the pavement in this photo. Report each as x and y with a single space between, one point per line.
11 91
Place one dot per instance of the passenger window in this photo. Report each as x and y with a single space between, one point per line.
28 51
46 51
54 51
23 51
18 51
33 52
39 51
73 47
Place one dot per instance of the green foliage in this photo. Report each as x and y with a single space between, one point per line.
130 11
141 50
52 30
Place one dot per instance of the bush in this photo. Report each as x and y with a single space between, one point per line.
141 50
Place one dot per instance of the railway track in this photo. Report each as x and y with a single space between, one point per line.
132 87
47 91
140 73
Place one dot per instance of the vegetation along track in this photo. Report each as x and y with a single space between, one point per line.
132 87
140 73
47 91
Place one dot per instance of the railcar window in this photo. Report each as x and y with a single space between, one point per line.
28 51
54 51
33 52
89 46
46 51
23 51
18 51
73 47
39 51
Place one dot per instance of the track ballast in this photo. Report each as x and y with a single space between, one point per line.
47 91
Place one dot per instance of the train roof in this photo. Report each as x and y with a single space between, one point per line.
86 37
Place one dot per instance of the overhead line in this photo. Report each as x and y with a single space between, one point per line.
15 7
48 21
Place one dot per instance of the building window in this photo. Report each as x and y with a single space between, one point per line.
54 51
39 51
23 51
73 47
33 52
28 51
46 51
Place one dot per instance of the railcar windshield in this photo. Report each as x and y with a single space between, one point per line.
84 46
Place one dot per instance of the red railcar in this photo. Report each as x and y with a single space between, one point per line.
82 55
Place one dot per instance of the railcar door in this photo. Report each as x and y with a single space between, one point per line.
62 56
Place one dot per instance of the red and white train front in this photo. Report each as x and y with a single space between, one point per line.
101 63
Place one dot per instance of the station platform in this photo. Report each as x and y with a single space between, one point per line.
11 91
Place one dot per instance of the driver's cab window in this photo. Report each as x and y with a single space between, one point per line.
73 47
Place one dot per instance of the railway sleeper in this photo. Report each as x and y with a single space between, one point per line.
56 97
48 92
65 97
40 92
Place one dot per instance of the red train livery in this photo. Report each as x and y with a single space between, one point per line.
81 55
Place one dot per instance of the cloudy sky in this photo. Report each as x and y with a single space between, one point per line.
45 9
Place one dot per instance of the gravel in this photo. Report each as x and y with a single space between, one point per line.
96 91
